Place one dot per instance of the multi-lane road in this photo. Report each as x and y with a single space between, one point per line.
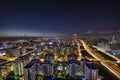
118 60
6 71
112 67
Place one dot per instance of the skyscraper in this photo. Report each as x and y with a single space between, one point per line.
91 72
47 68
18 68
49 57
30 70
72 68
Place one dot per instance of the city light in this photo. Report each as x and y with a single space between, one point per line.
59 40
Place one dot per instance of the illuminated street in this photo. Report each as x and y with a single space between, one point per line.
110 66
60 40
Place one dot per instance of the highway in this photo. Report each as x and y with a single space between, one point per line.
118 60
13 58
6 71
108 61
112 67
9 59
79 51
29 52
78 47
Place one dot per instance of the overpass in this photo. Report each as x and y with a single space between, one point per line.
7 67
114 57
112 67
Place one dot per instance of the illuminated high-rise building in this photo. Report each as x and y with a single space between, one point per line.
49 57
47 68
91 72
18 68
75 37
14 52
19 63
113 40
23 49
30 71
72 68
39 48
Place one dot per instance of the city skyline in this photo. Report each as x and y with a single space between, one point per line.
59 40
60 58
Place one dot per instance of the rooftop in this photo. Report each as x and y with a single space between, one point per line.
90 66
29 65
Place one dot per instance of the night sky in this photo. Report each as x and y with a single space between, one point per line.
58 16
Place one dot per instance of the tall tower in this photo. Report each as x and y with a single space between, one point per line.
113 39
75 37
24 37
